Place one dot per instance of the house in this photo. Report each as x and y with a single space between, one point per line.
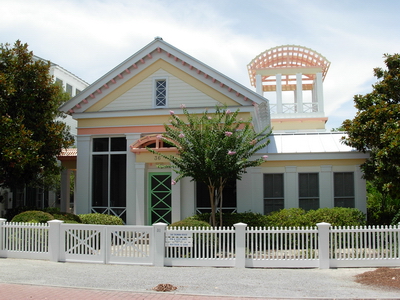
124 111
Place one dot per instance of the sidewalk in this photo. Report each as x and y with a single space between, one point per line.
38 279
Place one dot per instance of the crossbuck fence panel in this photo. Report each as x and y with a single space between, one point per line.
322 246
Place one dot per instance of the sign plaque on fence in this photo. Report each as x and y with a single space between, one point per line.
179 240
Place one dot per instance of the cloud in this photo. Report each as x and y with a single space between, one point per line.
90 37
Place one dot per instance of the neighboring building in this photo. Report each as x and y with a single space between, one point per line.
123 111
39 197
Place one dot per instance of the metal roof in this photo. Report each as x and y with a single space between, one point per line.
326 142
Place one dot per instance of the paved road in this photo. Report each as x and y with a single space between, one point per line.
38 279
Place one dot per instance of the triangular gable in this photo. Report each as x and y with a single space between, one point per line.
136 93
95 97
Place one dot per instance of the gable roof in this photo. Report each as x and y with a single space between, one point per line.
159 49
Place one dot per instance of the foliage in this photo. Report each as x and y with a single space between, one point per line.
338 129
297 217
213 148
337 216
67 217
376 129
396 219
101 219
12 212
33 216
229 219
190 222
376 213
30 134
54 211
290 217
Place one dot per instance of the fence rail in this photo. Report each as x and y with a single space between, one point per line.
322 246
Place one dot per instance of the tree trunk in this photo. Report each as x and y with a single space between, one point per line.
211 190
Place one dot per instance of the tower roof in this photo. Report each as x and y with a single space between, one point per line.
287 56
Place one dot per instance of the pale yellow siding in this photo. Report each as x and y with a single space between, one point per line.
179 92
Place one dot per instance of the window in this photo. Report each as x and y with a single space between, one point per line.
308 191
59 82
228 198
68 89
109 176
160 93
344 189
273 193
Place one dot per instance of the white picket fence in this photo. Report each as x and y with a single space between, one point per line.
322 246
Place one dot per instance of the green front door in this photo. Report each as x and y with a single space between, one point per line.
160 198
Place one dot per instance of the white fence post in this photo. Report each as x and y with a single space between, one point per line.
54 239
159 244
240 244
1 233
323 245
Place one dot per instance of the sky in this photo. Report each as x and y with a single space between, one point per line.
91 37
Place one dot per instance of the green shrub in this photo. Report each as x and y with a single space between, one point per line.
101 219
337 216
67 217
12 212
229 219
190 222
291 217
297 217
33 216
51 210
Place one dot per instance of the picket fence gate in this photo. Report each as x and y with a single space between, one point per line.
322 246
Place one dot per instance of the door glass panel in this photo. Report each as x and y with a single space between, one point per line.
160 197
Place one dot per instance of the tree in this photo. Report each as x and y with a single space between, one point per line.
213 148
30 134
376 129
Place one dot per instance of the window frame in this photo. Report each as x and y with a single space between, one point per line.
108 206
155 80
313 198
353 196
274 199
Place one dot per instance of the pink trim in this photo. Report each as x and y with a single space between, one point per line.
85 101
92 96
245 98
221 84
142 61
176 58
237 94
106 86
229 89
198 71
205 75
120 76
190 67
99 91
135 66
214 80
183 63
113 80
149 55
78 106
71 111
127 71
168 54
159 50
